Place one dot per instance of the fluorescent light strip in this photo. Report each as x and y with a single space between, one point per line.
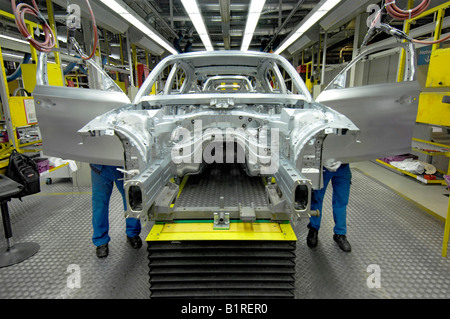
254 12
137 22
13 39
11 55
305 26
193 11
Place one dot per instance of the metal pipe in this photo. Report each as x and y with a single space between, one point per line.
171 14
164 23
324 57
130 61
18 72
297 6
41 69
225 14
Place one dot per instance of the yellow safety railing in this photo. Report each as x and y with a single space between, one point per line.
440 10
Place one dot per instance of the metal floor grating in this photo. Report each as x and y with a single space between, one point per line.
383 228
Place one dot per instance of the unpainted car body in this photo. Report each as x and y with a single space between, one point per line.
249 108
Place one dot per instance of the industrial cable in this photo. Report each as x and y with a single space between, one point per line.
49 43
395 12
19 13
18 72
400 14
94 27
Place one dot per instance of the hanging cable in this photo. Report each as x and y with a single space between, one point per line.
432 42
400 14
49 42
19 13
95 31
397 13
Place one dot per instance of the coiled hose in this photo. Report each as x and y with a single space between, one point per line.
19 13
49 42
395 12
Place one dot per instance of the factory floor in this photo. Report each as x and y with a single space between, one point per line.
395 227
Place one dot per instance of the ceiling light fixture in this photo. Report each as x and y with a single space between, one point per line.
254 12
4 36
193 11
125 12
311 19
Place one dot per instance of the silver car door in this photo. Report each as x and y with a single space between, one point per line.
385 113
62 111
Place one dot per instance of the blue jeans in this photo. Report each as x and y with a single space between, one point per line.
340 181
103 179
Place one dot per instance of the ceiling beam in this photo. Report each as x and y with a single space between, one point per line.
193 10
225 14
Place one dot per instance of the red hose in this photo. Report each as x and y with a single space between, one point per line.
400 14
94 26
19 13
431 42
397 13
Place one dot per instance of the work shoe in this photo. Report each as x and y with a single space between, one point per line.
135 241
102 251
311 239
342 242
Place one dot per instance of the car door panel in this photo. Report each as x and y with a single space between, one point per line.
62 111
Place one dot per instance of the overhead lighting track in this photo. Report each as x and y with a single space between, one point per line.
7 37
192 9
127 14
311 19
254 13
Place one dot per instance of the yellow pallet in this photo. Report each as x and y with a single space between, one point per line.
184 231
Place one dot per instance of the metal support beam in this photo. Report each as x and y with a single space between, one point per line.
402 57
163 22
4 95
171 14
225 13
130 60
297 6
52 23
324 58
94 76
360 31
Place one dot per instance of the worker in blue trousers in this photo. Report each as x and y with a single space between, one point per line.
340 177
103 179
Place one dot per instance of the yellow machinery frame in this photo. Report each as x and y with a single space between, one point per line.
431 108
17 104
198 230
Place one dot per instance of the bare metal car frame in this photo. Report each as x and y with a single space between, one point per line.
274 130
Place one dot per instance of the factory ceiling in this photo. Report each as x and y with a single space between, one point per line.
225 24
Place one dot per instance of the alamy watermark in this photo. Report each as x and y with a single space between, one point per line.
74 278
374 279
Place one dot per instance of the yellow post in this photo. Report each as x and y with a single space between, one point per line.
402 61
33 50
107 46
135 62
121 49
4 75
446 232
51 20
438 29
